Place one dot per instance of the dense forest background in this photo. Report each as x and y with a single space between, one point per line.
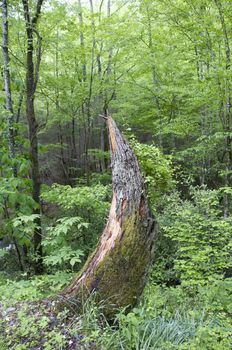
162 69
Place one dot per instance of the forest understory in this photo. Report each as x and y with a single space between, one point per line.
116 234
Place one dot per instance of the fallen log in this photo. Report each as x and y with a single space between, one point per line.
117 269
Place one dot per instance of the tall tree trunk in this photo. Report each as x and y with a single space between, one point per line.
118 268
7 85
32 75
89 98
154 75
226 108
103 97
82 42
10 113
85 108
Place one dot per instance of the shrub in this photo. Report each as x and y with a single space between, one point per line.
200 236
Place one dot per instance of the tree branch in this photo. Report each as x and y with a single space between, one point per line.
37 13
38 58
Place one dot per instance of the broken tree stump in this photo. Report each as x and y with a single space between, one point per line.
117 269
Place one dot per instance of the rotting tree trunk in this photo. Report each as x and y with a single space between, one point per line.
118 268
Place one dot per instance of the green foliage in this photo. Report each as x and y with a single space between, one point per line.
11 194
58 242
166 73
157 169
3 253
78 199
201 235
166 319
24 226
29 331
34 288
82 210
64 255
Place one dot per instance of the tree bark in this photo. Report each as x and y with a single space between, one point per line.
82 42
32 76
10 112
227 108
153 71
7 85
118 268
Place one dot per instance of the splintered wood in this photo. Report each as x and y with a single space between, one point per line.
118 267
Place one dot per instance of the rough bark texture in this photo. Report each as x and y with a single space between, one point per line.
32 76
7 84
118 267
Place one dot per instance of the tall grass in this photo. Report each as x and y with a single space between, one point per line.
137 331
